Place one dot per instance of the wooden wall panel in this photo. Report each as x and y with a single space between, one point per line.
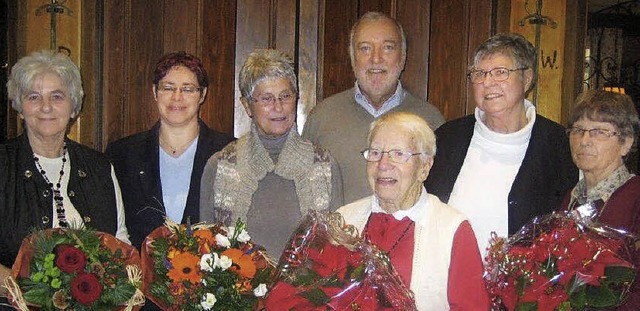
448 52
415 20
143 49
91 75
113 86
218 54
337 74
180 25
480 29
384 6
574 50
125 38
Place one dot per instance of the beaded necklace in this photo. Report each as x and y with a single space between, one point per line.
57 196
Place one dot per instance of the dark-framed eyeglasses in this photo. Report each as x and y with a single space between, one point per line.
498 74
595 133
395 155
269 100
185 89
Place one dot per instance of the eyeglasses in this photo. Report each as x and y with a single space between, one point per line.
268 100
497 74
595 133
185 90
395 155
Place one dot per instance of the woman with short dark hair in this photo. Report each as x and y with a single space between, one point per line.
160 169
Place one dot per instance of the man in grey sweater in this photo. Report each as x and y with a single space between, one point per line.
340 123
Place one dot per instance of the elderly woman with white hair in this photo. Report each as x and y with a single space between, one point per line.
270 177
430 244
46 179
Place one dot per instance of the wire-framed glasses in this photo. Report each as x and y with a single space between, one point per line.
395 155
498 74
185 89
595 133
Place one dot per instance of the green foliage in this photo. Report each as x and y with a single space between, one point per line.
46 279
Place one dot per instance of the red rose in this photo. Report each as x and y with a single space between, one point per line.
86 288
70 259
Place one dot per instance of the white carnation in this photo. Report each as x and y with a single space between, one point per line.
222 240
224 263
208 262
208 300
244 236
261 290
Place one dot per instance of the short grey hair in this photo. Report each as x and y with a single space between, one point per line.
265 64
28 68
372 17
512 45
603 106
416 126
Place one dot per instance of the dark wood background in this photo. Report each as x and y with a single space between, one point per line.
123 39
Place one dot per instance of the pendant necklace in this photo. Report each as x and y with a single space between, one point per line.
175 150
57 196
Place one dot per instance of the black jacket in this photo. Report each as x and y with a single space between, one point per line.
136 162
546 174
26 202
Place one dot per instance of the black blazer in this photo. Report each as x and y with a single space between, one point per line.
546 174
136 163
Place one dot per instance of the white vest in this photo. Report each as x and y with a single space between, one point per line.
431 250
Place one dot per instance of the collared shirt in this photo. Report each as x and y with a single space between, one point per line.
392 102
414 213
603 189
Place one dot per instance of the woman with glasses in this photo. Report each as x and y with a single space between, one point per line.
602 129
505 163
430 244
270 177
48 180
160 169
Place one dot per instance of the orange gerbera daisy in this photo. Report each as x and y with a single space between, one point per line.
242 263
184 267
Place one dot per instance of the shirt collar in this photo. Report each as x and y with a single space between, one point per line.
603 189
392 102
415 213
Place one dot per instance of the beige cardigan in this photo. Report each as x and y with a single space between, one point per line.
434 233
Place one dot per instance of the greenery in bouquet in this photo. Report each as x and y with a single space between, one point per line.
205 267
327 267
77 269
559 263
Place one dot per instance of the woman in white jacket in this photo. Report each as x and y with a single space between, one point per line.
431 245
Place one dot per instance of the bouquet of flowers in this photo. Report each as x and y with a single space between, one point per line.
327 267
204 267
75 269
560 262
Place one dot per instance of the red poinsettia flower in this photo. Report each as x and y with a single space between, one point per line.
70 259
284 296
86 288
552 298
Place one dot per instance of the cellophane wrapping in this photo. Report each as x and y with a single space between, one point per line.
561 261
326 266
